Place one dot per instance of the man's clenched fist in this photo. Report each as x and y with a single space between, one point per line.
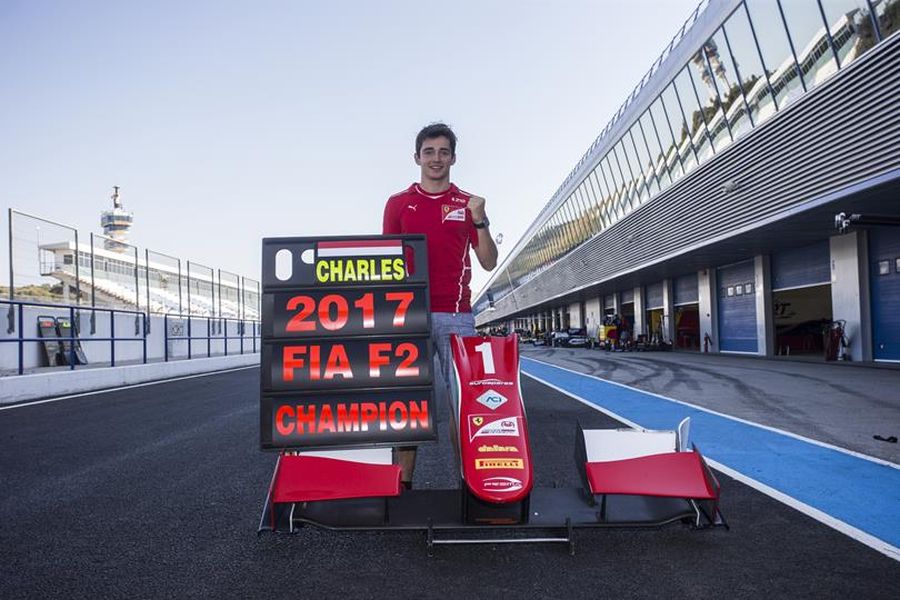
476 207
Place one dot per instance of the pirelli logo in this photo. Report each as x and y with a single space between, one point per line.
499 463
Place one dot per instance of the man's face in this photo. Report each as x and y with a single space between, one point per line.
435 158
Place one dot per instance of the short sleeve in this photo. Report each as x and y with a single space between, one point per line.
391 221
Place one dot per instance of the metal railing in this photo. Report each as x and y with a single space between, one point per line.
211 323
73 337
217 329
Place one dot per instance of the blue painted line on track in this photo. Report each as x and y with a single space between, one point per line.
862 493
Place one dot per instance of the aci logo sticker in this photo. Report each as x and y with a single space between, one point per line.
492 399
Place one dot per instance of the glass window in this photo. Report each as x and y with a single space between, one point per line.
595 192
577 224
605 195
656 158
687 155
709 76
628 172
562 233
666 133
644 163
544 246
729 85
623 182
888 16
620 208
588 208
583 214
852 30
569 222
580 215
588 195
615 209
603 190
592 212
807 31
748 67
549 243
688 98
577 221
577 218
558 236
640 191
776 50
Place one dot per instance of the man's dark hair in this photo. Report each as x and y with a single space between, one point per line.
435 130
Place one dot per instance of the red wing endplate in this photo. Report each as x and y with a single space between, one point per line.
312 478
495 455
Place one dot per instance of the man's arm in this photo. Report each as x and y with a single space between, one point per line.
486 250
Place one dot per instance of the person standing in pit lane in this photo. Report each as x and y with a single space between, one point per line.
453 221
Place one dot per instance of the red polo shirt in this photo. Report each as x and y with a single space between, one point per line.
446 222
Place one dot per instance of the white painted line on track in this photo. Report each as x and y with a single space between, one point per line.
125 387
859 535
796 436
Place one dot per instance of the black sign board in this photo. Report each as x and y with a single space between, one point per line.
346 354
347 419
345 312
298 366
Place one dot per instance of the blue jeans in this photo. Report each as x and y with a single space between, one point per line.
442 326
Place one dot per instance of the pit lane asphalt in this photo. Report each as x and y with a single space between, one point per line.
156 492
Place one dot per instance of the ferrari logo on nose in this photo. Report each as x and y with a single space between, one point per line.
477 421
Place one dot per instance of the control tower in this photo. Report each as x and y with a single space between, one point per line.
116 223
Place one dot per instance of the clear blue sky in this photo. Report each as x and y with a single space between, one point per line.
225 122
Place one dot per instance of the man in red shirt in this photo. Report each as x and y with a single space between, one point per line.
452 220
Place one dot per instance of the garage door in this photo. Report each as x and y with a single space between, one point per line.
737 308
801 267
884 256
684 289
655 296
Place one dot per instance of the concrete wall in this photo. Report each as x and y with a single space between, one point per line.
850 291
640 319
575 316
706 295
765 318
668 312
97 352
59 383
594 315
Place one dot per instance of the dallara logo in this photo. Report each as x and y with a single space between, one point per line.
499 463
497 448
